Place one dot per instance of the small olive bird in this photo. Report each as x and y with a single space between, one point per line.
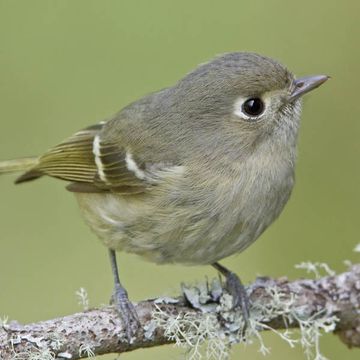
190 174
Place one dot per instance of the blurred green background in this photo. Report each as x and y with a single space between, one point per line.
67 64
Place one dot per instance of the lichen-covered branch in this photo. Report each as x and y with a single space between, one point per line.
331 303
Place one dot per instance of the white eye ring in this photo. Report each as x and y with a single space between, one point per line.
240 104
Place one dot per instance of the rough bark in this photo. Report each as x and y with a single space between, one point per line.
100 331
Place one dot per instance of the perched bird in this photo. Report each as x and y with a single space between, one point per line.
190 174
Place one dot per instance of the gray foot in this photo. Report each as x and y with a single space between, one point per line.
236 289
126 311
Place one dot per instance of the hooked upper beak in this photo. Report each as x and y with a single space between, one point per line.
304 85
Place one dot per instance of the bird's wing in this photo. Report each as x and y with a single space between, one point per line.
94 164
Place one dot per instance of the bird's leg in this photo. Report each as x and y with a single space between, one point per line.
236 289
121 301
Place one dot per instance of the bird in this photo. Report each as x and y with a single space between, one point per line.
190 174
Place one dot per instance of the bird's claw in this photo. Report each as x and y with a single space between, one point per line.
238 292
127 312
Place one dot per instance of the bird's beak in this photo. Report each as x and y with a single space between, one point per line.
304 85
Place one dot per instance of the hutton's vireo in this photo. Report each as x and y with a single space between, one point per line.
190 174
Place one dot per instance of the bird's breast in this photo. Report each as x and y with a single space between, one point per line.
194 222
242 206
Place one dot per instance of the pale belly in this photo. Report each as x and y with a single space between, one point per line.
182 233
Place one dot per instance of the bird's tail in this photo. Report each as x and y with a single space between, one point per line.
17 165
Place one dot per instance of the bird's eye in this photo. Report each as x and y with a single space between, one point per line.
253 107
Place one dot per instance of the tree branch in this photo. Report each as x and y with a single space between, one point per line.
100 331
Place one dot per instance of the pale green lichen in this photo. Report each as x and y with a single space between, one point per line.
311 330
36 354
4 321
193 332
210 334
85 349
38 350
83 298
316 268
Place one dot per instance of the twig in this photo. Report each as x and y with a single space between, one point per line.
100 331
